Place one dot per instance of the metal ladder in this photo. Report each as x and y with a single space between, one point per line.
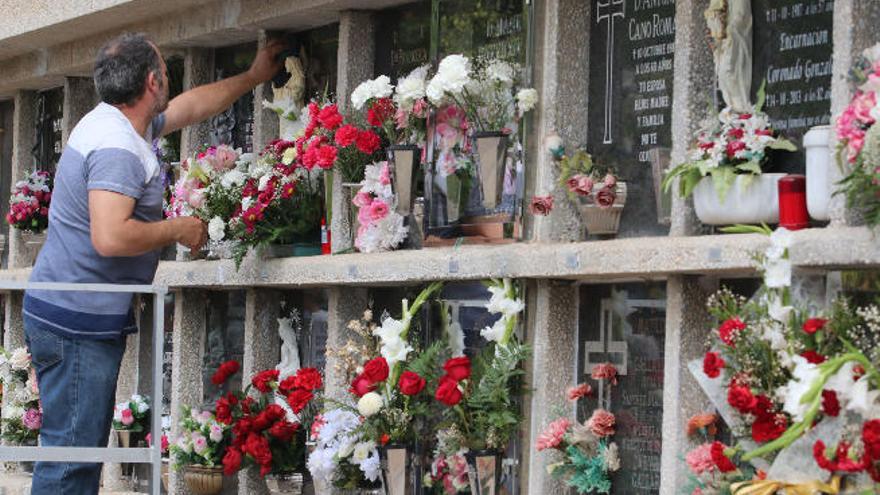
152 455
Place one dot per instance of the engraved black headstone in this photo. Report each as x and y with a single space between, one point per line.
792 45
403 39
630 100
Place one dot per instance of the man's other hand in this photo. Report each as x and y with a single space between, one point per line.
266 63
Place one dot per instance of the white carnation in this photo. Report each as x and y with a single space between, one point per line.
362 451
453 74
411 88
216 229
500 71
368 405
233 178
526 99
376 88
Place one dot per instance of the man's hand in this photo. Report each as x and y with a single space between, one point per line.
191 232
266 64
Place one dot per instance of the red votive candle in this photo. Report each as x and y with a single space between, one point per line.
793 213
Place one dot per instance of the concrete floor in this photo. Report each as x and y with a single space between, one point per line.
20 484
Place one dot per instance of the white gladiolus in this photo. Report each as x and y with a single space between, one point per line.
804 375
216 229
370 404
495 332
395 351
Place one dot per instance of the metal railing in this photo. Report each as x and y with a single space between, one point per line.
151 455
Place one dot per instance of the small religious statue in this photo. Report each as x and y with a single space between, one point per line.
730 27
290 363
288 100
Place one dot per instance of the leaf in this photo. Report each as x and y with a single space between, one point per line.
762 96
763 229
705 167
782 144
722 178
751 166
689 182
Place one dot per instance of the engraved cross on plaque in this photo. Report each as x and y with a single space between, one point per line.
608 10
607 349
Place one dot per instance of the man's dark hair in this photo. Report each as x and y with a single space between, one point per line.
122 67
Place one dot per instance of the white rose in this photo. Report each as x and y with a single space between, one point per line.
370 404
216 229
20 359
526 99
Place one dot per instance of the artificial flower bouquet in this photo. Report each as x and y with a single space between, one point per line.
587 182
29 203
265 419
381 227
132 415
728 145
799 387
22 415
859 139
399 113
588 454
343 457
203 440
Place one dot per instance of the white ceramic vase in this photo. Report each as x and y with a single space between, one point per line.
750 200
819 173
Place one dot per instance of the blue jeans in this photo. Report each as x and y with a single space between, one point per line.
77 381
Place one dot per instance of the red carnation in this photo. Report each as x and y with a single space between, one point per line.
246 404
871 438
257 446
361 385
380 112
270 415
411 383
813 357
763 407
224 408
740 397
376 370
721 461
448 391
326 156
264 379
224 371
346 135
329 117
458 368
769 427
231 462
299 399
243 427
287 385
368 142
813 325
712 364
308 378
284 430
733 147
830 404
729 330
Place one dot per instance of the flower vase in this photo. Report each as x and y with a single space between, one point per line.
819 171
285 483
165 474
32 242
491 148
404 161
484 471
349 191
750 200
397 476
203 480
128 438
599 220
454 194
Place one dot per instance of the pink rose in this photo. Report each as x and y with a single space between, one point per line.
601 423
553 435
610 180
362 199
378 210
580 184
605 197
862 105
699 460
127 417
541 205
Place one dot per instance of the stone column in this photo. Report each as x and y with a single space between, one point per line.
265 120
687 323
343 305
561 74
198 69
22 162
552 327
190 312
79 99
695 76
855 24
355 60
262 346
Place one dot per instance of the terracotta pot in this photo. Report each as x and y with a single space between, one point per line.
203 480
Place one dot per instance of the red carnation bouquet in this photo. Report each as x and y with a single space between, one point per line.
29 203
266 419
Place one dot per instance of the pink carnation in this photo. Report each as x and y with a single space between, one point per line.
553 435
32 419
700 459
378 210
605 371
362 199
582 390
601 423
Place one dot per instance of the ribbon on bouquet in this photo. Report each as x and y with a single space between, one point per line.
766 487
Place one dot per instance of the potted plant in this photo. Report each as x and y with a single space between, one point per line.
597 192
22 416
724 169
29 209
131 420
265 420
480 414
859 139
198 451
381 225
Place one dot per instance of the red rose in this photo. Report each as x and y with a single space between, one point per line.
231 462
813 357
299 399
346 135
458 368
813 325
257 446
769 427
329 117
729 330
284 430
381 110
871 438
367 142
721 461
740 397
361 385
326 157
376 370
264 379
712 364
411 383
830 404
224 371
308 378
384 439
448 391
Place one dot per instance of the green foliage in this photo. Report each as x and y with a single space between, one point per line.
588 473
16 433
863 193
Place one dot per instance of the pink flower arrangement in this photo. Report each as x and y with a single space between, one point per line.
699 460
601 423
553 435
381 228
29 203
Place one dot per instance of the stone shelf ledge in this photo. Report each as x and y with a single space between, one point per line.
600 261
